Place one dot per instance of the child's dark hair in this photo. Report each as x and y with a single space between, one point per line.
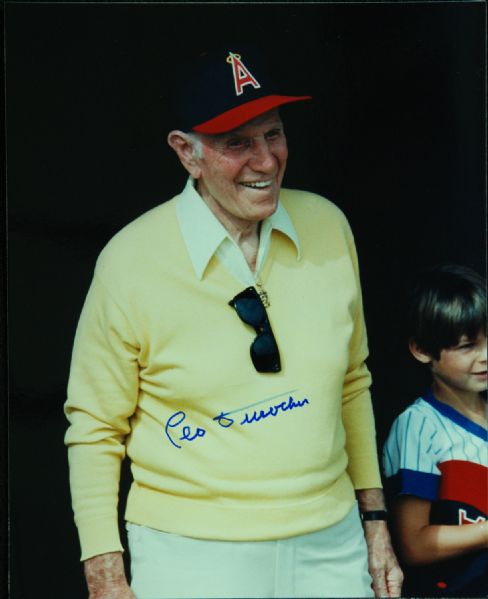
445 303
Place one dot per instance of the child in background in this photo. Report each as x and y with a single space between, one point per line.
436 456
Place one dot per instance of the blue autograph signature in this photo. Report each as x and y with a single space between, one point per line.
175 420
284 406
224 419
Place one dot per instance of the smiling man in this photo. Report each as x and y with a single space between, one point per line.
238 175
221 348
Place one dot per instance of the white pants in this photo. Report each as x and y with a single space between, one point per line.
329 563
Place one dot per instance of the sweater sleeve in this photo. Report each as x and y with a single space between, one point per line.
357 410
102 396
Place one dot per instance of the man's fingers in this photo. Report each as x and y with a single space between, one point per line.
395 581
387 584
379 583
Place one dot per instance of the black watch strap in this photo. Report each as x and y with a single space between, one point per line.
374 515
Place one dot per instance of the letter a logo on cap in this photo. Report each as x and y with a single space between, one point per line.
242 76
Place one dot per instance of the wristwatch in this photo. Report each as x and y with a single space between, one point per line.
374 515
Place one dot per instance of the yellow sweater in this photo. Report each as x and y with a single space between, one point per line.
161 371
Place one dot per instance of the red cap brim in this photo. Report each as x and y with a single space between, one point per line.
235 117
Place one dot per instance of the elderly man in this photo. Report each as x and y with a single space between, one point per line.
222 347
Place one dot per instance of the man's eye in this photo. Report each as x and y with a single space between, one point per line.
237 143
273 134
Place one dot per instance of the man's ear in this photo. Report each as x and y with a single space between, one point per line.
418 353
182 144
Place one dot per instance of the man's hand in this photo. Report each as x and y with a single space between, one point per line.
105 577
383 565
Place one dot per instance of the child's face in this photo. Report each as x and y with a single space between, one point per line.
463 367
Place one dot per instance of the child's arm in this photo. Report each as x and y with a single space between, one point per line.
423 543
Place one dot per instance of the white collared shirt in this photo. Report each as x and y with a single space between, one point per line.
205 236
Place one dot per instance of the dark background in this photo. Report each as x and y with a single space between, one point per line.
395 136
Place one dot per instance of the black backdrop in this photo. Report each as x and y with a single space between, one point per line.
395 136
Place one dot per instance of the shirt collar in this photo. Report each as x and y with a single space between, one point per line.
203 232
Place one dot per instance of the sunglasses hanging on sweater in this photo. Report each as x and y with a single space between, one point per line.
264 351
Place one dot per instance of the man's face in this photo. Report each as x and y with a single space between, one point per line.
240 172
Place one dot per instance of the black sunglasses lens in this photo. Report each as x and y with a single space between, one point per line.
250 310
264 353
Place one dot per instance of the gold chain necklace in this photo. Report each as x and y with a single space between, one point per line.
262 293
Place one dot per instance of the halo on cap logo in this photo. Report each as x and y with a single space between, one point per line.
242 76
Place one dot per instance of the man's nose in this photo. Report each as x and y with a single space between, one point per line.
262 159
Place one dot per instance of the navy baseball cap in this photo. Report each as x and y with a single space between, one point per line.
223 89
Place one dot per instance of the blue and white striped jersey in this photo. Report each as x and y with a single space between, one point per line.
427 434
436 453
